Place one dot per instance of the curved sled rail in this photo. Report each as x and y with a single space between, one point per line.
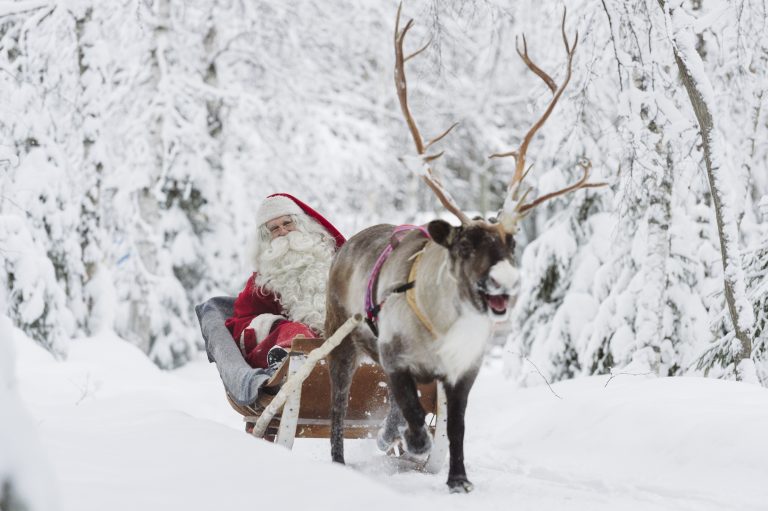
294 382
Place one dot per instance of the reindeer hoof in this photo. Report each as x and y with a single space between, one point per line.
460 485
385 439
417 443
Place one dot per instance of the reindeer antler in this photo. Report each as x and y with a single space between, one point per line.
402 95
514 205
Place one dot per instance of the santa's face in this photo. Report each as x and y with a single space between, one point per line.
280 226
295 266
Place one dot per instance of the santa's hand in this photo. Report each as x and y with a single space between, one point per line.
262 324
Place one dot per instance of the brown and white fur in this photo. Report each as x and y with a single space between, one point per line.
465 276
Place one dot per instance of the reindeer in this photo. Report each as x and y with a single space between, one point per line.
432 293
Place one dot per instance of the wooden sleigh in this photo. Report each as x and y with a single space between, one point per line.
306 409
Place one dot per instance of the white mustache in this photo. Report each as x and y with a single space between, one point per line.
294 240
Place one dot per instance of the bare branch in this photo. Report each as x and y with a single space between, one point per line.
22 7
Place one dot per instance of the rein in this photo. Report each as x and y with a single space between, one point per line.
372 308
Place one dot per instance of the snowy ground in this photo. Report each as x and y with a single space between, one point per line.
122 435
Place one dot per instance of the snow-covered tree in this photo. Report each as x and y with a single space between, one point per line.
756 269
648 290
40 188
646 304
719 175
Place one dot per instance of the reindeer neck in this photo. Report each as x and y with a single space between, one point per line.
436 292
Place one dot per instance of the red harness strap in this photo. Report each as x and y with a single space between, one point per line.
371 307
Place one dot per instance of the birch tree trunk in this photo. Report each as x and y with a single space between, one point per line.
651 303
701 95
213 104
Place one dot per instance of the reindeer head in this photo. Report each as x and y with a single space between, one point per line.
481 263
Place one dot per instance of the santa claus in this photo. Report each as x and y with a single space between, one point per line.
285 296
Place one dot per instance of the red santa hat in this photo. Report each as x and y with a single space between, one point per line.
281 204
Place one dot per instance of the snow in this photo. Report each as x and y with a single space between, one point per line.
123 435
25 478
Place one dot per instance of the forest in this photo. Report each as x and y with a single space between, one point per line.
136 138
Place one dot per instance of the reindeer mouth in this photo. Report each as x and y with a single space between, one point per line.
497 303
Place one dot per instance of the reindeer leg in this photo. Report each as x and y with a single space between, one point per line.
341 365
457 404
390 431
417 440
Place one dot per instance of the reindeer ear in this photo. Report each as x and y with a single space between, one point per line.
442 232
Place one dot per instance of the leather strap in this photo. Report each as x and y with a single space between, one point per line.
410 296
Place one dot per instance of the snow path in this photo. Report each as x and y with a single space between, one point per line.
122 435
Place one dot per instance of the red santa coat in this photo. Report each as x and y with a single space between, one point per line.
254 301
250 303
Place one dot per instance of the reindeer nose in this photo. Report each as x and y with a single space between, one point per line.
504 276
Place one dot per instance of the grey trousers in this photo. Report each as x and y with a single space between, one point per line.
241 381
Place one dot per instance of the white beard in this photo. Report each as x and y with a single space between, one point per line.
295 267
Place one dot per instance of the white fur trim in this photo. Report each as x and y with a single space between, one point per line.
275 207
262 324
242 341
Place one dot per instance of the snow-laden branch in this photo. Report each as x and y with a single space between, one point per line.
8 8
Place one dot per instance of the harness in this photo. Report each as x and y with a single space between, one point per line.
372 308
